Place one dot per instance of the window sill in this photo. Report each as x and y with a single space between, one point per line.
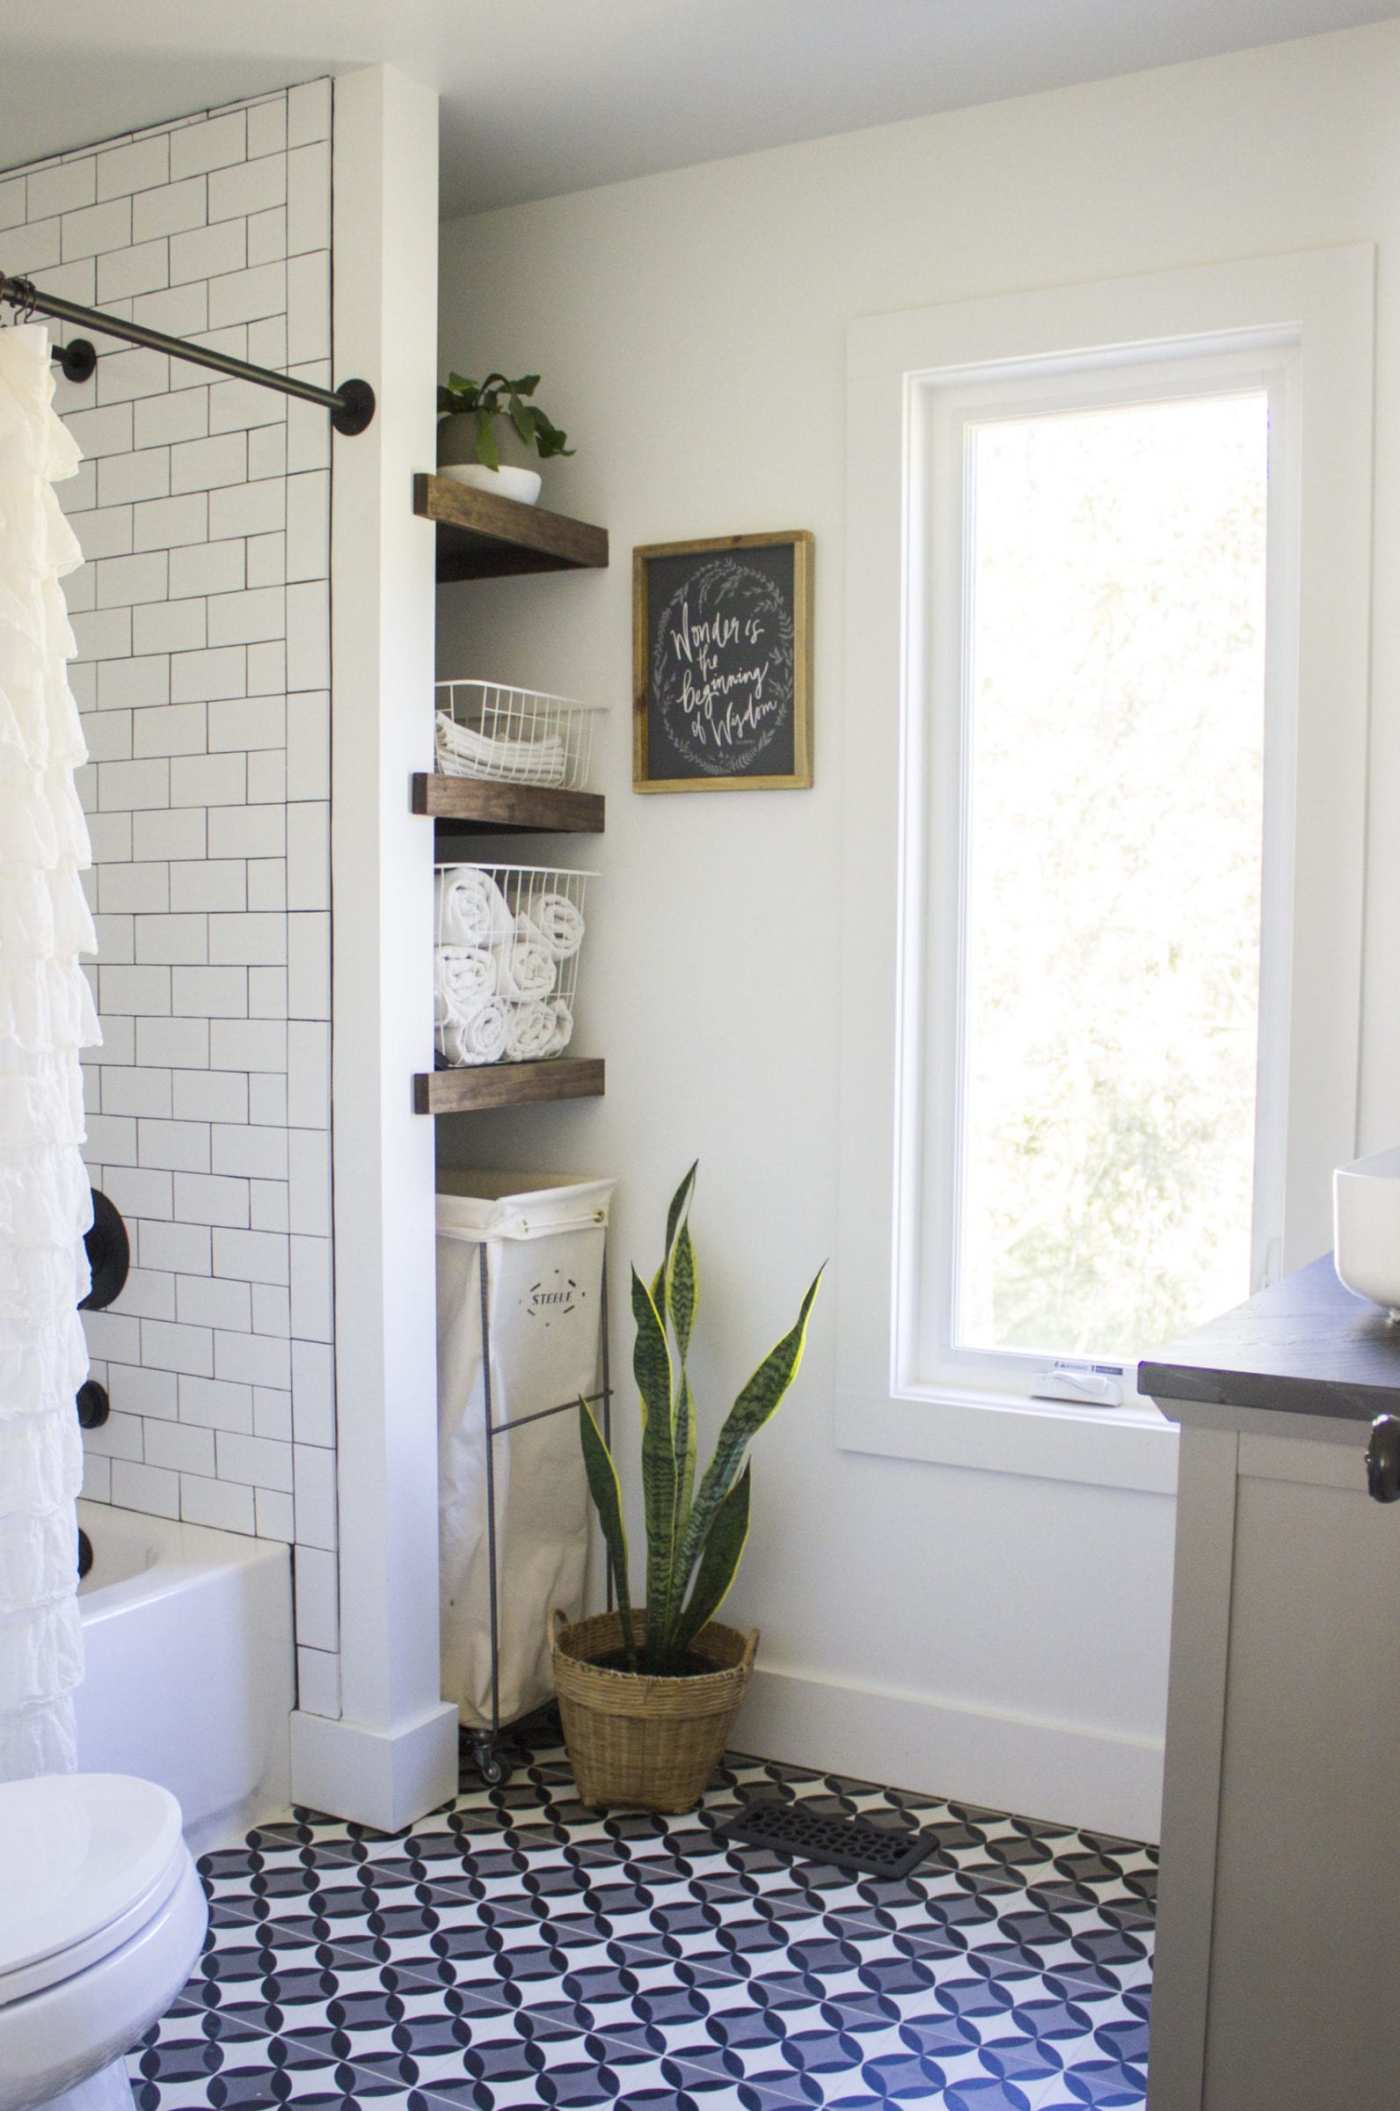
1130 1447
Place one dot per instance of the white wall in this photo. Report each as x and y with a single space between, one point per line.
991 1635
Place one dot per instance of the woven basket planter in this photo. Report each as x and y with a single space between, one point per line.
649 1742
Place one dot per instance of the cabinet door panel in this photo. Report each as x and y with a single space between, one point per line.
1305 1954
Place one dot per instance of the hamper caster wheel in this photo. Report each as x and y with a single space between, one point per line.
488 1761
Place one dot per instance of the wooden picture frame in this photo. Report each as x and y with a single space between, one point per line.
722 664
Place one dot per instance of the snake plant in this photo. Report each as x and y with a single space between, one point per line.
695 1537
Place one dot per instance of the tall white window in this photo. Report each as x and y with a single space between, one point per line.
1110 767
1104 797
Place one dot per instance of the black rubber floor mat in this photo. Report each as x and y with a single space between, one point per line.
842 1843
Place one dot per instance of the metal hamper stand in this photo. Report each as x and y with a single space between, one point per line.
486 1748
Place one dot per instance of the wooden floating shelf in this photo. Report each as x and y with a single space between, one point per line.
468 806
480 536
507 1085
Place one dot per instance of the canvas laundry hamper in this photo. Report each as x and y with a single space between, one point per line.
542 1238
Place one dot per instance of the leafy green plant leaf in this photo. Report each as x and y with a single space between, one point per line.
685 1462
680 1202
606 1491
549 438
487 451
758 1400
651 1366
719 1563
682 1293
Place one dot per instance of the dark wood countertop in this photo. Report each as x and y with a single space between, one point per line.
1304 1346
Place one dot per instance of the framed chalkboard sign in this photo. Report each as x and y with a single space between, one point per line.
721 651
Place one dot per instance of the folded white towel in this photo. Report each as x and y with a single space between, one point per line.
554 922
524 969
480 1038
471 909
462 751
563 1027
463 979
530 1032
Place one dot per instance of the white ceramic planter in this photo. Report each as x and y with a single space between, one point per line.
457 459
1366 1228
523 485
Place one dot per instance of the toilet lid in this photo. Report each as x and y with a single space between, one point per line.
78 1852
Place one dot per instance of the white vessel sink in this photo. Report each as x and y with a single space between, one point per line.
1366 1240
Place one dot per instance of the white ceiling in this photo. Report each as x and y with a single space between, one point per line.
544 96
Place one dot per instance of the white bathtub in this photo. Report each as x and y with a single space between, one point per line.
190 1666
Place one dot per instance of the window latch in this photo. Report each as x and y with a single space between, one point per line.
1087 1384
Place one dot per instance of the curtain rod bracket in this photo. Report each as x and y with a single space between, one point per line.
78 359
355 409
351 406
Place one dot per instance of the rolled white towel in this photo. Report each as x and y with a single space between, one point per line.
462 751
464 977
480 1038
556 923
563 1027
530 1030
524 969
471 909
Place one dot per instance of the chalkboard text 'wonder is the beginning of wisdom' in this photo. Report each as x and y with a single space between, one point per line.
718 662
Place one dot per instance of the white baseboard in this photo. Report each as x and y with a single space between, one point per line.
1080 1776
384 1778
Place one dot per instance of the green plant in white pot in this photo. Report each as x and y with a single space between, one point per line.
488 431
648 1696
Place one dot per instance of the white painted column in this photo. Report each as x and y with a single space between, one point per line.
393 1753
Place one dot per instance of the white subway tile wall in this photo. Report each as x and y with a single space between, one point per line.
203 677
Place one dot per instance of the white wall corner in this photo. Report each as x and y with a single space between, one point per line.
393 1754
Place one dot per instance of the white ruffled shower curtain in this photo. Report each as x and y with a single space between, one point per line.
46 1016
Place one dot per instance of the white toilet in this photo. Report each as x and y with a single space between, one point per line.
102 1916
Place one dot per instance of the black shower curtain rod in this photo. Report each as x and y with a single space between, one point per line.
351 405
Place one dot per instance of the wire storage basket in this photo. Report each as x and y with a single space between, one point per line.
506 962
513 736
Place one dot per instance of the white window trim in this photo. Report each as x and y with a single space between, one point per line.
1321 303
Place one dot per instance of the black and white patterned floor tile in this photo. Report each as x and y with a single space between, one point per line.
516 1948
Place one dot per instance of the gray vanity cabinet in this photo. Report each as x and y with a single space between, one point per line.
1277 1983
